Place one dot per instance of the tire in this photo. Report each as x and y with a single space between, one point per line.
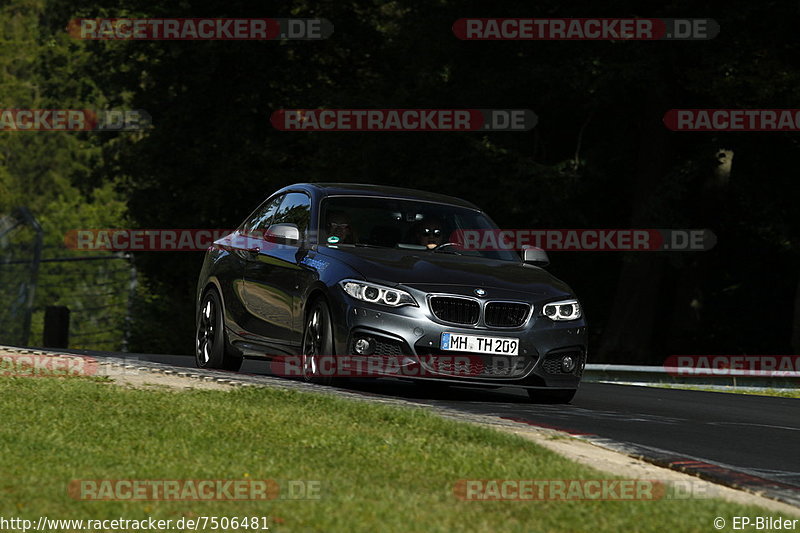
317 341
551 396
211 345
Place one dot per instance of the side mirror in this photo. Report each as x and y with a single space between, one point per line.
535 256
283 234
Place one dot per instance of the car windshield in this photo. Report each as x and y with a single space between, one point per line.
401 224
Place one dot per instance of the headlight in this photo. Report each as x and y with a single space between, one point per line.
376 294
564 310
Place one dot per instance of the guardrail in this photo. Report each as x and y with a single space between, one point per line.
773 379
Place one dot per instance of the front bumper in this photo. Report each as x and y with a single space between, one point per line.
407 345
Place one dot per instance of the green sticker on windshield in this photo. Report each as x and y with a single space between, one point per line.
333 239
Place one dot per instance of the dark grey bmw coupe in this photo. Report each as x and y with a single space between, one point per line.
340 280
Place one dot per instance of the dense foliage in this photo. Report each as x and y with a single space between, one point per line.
600 156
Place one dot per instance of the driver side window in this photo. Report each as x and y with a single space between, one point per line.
295 209
261 219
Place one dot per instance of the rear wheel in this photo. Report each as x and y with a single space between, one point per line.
211 345
318 344
551 396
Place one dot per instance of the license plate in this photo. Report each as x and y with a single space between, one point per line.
479 344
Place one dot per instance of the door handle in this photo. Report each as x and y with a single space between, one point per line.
253 252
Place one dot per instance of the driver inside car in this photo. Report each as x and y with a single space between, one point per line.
430 233
339 228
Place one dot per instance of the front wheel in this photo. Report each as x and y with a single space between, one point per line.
211 346
318 345
551 396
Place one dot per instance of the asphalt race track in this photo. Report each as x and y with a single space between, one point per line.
740 440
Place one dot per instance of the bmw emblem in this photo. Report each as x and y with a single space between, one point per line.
480 292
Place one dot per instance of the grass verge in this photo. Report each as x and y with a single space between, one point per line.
778 393
380 467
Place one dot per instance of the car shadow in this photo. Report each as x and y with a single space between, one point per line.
391 387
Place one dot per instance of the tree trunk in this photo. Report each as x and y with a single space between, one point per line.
627 337
796 322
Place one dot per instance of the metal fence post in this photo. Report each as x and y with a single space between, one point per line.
56 326
25 214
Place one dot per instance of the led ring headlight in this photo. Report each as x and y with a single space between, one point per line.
376 294
563 310
371 294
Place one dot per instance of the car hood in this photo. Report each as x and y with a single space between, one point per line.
435 272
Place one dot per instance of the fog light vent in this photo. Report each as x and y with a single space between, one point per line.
364 345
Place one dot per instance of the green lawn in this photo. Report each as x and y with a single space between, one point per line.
382 468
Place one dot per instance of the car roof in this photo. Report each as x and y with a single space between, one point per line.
363 189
